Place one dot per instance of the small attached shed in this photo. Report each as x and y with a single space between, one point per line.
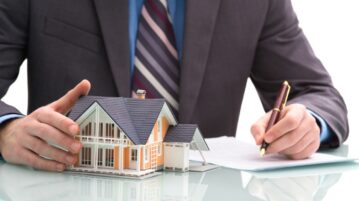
178 141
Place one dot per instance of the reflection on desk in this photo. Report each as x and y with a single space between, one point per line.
222 184
21 183
295 188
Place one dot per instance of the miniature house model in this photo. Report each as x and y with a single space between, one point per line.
132 137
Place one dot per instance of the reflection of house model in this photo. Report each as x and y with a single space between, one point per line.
132 137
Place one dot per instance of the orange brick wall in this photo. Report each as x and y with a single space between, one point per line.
116 157
165 126
126 157
154 131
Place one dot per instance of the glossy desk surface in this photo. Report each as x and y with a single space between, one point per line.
320 182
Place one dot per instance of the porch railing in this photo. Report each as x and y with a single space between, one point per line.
107 140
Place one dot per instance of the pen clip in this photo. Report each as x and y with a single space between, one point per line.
286 96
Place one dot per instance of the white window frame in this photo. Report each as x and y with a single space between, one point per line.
159 129
159 149
100 157
109 153
134 155
86 156
146 154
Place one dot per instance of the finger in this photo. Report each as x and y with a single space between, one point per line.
43 149
57 120
31 159
64 104
299 146
307 152
258 128
54 136
288 140
290 121
312 134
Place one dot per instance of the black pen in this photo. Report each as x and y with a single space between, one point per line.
279 104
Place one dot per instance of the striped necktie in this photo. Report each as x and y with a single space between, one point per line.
156 58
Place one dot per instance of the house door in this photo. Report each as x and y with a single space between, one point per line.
133 159
105 158
86 156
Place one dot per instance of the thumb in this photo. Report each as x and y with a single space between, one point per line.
258 129
65 103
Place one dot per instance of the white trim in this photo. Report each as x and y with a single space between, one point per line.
138 168
145 153
169 115
159 149
159 129
87 113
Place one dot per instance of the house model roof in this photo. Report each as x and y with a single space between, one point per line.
181 133
134 116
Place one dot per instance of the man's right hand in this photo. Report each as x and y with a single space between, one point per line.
27 140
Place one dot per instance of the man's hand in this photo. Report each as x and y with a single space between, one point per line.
296 134
26 140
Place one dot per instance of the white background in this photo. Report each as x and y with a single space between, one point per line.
332 29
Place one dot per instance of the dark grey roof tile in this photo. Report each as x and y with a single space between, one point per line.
144 114
181 133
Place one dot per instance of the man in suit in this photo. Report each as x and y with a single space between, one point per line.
220 44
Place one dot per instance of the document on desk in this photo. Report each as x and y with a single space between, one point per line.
232 153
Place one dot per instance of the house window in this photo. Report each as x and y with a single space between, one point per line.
146 154
110 130
87 131
101 130
133 154
107 130
86 156
125 139
100 157
118 133
109 158
159 149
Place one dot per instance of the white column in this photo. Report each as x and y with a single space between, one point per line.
120 157
138 159
95 147
95 153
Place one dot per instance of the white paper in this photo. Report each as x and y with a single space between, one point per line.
232 153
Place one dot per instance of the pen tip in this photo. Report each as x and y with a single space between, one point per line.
263 152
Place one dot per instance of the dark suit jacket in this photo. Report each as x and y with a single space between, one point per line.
225 43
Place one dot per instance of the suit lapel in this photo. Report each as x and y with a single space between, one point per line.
200 18
113 18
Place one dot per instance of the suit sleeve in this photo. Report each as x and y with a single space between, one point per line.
283 53
13 42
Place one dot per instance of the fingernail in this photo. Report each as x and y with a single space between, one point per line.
60 167
74 129
70 159
75 147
